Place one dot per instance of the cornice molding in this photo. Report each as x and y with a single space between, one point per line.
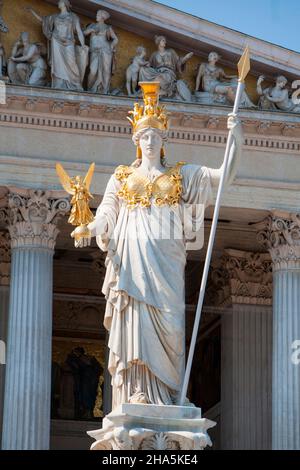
83 113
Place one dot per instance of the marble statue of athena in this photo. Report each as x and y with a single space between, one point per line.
144 282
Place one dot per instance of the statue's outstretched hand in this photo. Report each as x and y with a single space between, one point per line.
82 236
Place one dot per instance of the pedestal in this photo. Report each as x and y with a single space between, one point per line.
153 427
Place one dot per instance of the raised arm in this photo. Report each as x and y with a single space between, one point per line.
89 30
35 14
28 56
15 49
259 88
235 154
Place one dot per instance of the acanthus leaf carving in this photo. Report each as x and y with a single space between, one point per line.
281 236
33 218
242 277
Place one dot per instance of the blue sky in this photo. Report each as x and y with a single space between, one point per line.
276 21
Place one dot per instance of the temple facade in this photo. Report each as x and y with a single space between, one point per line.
54 385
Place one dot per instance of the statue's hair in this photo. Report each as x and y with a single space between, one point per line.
158 38
105 14
136 137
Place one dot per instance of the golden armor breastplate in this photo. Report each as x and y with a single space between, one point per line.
138 190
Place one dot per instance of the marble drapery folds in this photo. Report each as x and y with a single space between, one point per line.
144 289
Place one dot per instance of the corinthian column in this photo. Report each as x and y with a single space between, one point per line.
281 235
243 286
4 299
33 231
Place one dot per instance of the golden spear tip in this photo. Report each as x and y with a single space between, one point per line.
244 65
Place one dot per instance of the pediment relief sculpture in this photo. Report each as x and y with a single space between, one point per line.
27 65
3 29
214 86
82 57
67 60
276 97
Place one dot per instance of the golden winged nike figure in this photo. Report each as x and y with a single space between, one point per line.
79 188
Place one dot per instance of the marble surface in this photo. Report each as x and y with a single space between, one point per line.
153 427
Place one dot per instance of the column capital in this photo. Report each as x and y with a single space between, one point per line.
280 234
242 277
5 258
33 216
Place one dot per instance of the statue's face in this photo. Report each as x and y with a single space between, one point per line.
213 57
162 43
24 37
61 4
99 16
150 143
281 83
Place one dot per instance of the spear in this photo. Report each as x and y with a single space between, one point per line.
243 70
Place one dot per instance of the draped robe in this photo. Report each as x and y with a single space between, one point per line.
144 290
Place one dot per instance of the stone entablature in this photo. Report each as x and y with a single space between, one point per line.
55 110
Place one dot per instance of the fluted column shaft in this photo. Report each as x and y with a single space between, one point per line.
4 301
33 232
281 235
28 381
286 374
246 377
244 289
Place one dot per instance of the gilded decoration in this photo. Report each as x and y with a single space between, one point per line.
136 189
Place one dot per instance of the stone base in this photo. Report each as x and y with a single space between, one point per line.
153 427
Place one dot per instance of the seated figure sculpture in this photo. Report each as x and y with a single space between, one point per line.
216 85
276 97
26 66
165 65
